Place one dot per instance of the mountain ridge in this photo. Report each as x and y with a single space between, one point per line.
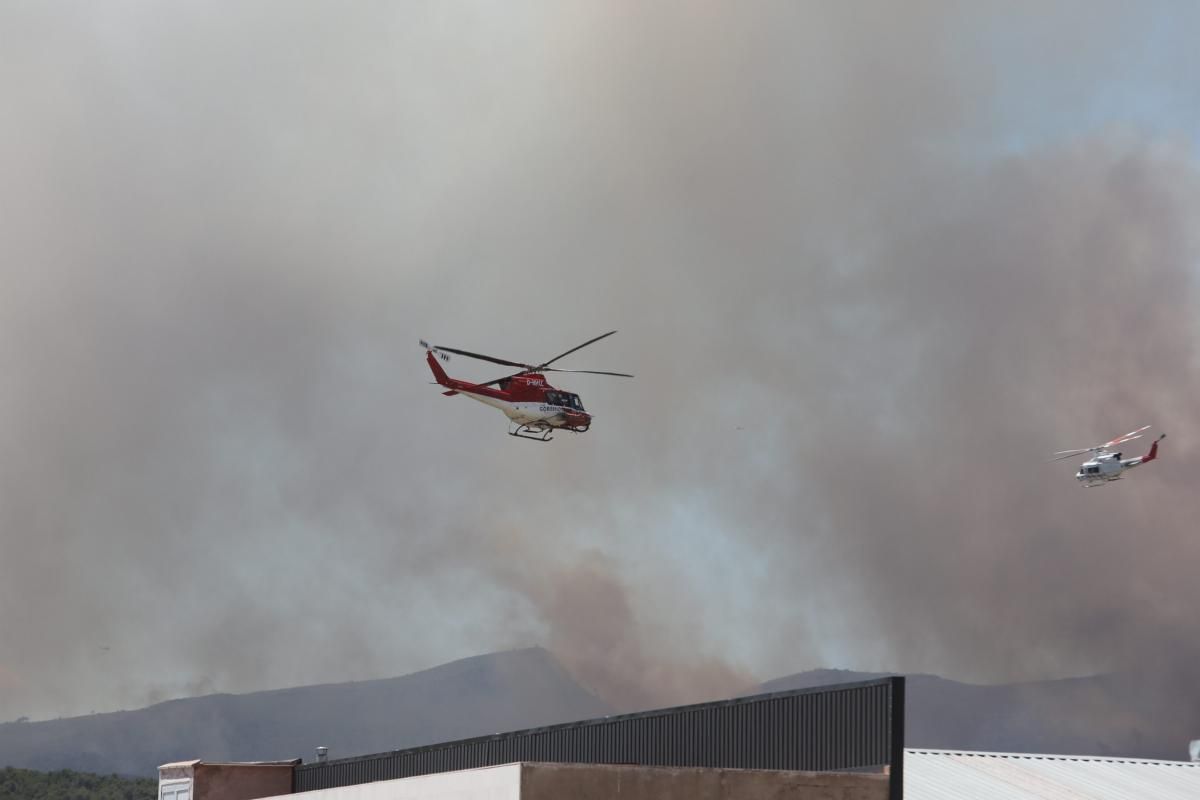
468 697
1105 715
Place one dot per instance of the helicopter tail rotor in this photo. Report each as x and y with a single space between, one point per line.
431 348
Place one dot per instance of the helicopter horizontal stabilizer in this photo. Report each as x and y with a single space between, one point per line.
450 393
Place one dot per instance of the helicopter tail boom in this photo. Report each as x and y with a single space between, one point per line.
453 385
1153 454
1150 456
439 374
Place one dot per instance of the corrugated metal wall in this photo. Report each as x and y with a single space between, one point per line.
845 727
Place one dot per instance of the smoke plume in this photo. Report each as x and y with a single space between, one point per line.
871 269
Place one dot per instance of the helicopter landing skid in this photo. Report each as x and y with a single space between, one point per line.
535 434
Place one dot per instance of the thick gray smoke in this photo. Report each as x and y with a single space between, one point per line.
870 272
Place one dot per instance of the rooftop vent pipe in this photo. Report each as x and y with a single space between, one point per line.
323 753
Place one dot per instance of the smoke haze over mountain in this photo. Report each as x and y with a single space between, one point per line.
870 270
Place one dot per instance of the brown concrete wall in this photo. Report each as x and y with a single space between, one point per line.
241 781
619 782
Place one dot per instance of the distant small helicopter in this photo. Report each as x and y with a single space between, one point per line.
1106 465
535 409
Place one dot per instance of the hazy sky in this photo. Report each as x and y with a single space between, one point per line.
871 267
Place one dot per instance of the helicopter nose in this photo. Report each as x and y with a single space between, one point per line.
577 419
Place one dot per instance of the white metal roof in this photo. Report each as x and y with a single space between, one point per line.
954 775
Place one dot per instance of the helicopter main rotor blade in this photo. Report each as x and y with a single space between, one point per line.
506 377
469 354
589 372
554 369
1127 437
545 364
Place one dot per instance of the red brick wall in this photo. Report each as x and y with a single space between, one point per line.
241 781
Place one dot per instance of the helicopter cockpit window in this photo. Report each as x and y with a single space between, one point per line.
573 400
1093 470
553 398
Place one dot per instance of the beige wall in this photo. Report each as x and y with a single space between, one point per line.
487 783
603 782
240 781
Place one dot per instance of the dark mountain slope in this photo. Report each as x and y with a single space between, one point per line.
471 697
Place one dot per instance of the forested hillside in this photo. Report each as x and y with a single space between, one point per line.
27 784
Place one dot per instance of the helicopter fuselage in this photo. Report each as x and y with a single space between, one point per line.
533 406
1102 468
1106 466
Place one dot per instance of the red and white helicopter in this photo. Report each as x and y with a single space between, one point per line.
535 409
1107 465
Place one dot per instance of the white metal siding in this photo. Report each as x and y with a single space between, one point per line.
954 775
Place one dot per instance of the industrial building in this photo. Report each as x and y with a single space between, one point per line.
843 742
201 780
929 775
